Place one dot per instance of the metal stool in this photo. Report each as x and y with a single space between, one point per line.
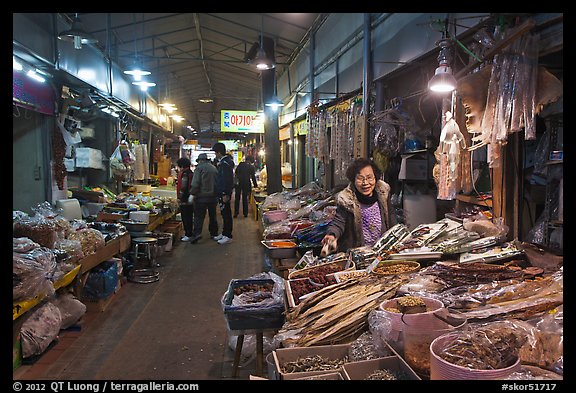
144 248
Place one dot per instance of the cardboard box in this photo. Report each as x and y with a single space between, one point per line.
176 228
362 369
416 166
284 355
87 157
337 376
85 195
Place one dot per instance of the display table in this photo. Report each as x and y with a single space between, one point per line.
158 220
19 308
112 248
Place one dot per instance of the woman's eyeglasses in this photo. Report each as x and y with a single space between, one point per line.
367 179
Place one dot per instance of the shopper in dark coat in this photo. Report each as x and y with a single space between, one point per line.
183 185
363 210
204 192
244 178
224 188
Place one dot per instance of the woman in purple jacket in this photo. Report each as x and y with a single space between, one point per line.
363 211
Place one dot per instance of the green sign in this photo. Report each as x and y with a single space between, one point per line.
241 121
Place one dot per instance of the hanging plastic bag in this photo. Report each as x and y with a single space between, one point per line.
70 138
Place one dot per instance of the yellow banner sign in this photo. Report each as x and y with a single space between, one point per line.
241 121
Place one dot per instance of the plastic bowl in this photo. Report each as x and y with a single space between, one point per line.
440 369
425 320
273 216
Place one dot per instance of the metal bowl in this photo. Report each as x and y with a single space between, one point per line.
134 226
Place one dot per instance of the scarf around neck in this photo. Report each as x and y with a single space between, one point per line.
366 200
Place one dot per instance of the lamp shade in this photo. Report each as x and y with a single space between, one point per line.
144 85
262 61
137 71
443 81
77 34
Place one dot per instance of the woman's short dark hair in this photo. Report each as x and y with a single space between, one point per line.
219 147
183 162
359 164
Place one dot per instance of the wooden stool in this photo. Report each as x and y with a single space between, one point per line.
259 353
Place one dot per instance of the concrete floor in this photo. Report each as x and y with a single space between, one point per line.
173 329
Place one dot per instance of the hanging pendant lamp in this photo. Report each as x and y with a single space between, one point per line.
443 81
77 34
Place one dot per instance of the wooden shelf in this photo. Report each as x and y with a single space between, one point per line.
475 200
19 308
112 248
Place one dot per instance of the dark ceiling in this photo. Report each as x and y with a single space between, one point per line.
201 55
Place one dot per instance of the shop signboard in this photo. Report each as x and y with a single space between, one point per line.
31 94
284 133
241 121
300 127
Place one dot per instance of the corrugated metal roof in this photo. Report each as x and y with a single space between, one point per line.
199 55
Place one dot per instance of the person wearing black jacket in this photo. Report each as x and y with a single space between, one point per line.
183 185
244 177
224 188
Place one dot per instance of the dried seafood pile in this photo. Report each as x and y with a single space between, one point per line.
312 363
337 314
485 348
472 273
385 375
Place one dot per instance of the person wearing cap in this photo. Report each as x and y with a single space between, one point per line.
204 191
186 205
224 188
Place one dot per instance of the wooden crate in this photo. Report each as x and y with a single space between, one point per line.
175 227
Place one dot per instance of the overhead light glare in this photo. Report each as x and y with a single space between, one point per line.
274 103
16 65
443 81
262 61
144 85
137 72
32 74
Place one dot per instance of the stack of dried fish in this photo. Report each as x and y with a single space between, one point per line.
337 314
312 363
455 274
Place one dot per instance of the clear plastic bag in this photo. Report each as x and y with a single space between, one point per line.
40 329
32 273
248 354
384 332
37 228
71 309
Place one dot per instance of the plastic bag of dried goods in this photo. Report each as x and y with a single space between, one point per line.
40 329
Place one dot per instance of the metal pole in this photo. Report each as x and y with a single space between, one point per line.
366 81
272 143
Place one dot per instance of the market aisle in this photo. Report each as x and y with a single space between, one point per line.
173 329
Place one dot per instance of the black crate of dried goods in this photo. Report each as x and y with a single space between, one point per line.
264 308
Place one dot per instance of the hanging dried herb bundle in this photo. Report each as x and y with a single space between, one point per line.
58 152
